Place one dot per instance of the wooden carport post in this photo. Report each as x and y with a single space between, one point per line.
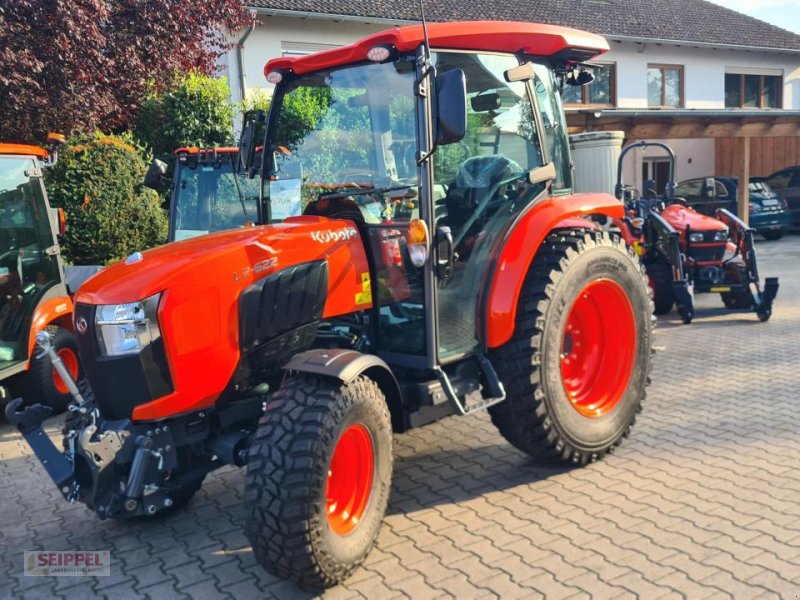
744 184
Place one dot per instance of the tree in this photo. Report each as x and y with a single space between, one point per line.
110 214
77 65
197 111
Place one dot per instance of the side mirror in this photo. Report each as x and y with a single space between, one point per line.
542 174
710 187
451 107
155 174
253 119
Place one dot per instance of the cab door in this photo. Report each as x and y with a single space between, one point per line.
480 187
29 266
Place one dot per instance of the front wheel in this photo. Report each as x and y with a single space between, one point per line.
318 478
42 384
576 368
659 278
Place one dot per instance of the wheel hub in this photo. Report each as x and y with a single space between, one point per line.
70 360
350 479
598 348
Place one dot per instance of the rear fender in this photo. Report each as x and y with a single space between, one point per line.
346 365
520 248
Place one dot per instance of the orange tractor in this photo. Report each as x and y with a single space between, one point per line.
33 295
441 266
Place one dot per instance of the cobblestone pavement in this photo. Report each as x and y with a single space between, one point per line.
703 500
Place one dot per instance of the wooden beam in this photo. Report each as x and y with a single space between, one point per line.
744 184
682 128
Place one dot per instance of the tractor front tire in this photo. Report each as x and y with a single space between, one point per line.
41 384
318 478
740 298
659 276
577 365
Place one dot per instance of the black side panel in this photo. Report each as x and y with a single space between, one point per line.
281 302
121 383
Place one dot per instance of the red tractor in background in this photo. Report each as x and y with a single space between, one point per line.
687 253
441 266
33 295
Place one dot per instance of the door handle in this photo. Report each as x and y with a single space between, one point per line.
444 252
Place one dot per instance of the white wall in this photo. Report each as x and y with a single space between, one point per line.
704 69
266 42
693 158
704 72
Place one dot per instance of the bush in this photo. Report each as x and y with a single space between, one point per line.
110 214
197 111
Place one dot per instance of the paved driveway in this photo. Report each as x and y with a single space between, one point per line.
703 500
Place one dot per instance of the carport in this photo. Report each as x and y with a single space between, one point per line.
747 142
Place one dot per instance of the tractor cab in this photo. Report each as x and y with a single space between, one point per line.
425 184
33 294
208 194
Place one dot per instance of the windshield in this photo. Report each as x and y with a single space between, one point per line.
207 199
348 129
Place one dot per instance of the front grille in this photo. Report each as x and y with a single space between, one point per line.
710 253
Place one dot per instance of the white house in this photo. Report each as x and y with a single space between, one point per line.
674 68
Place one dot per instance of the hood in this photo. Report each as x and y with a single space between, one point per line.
681 217
222 260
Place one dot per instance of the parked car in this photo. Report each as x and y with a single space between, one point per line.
769 214
786 184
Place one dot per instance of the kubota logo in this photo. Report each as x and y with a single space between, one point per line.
331 235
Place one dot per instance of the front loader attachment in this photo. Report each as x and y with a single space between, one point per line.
664 238
742 238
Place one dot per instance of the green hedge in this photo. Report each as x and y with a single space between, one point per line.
110 214
197 111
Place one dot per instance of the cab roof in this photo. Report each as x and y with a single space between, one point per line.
570 45
23 149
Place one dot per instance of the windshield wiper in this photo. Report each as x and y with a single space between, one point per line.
365 191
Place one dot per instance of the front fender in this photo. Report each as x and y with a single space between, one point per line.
521 246
53 311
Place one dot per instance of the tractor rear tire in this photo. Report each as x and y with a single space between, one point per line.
318 478
41 384
660 279
573 396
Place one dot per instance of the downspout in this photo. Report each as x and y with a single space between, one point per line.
240 57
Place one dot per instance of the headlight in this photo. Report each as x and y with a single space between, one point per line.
127 328
696 237
721 236
754 208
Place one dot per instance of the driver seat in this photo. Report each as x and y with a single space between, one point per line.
479 183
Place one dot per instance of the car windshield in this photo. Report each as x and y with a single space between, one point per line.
208 199
346 129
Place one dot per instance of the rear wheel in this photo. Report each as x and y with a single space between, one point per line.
318 478
659 276
42 384
576 369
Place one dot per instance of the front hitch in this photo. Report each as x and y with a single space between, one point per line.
28 420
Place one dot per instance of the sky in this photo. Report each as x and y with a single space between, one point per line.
783 13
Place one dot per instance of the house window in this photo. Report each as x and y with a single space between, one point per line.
601 92
665 85
744 90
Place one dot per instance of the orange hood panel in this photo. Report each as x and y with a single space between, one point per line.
681 216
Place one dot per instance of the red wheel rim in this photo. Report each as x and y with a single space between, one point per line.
349 479
598 348
70 360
